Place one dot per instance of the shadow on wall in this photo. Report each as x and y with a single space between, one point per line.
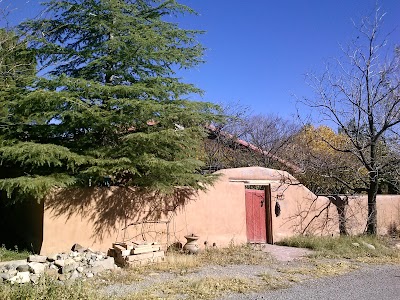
105 207
330 215
21 224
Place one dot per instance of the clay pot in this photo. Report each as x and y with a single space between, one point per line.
191 246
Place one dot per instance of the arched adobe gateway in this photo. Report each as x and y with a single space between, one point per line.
98 217
264 193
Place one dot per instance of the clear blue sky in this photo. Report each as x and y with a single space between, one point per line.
259 50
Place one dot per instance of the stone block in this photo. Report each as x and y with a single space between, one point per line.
5 276
35 278
78 248
37 258
52 257
21 277
107 264
23 268
68 268
59 263
145 256
36 268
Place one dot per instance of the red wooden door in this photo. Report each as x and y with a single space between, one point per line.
256 216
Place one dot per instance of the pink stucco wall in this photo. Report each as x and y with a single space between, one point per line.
95 217
96 220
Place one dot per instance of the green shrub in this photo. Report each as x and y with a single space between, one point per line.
15 254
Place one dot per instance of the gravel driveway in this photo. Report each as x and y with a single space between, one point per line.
281 254
369 283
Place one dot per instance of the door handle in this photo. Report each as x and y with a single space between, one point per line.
262 203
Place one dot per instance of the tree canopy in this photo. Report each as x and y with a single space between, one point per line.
108 107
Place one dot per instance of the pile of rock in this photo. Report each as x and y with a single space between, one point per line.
79 262
136 253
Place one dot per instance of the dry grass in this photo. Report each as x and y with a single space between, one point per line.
380 260
346 247
272 282
204 288
175 262
321 269
180 263
121 276
201 288
49 289
234 255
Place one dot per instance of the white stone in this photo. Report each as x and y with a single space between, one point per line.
369 246
52 257
68 268
74 275
107 264
21 277
77 258
5 276
12 272
36 268
96 269
59 263
37 258
35 278
89 275
73 254
69 261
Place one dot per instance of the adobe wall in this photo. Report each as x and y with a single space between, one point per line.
301 212
96 217
304 213
388 210
217 216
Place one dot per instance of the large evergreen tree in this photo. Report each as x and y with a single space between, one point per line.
108 105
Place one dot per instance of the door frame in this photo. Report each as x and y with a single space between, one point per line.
268 213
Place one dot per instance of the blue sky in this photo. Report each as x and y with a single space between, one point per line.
259 50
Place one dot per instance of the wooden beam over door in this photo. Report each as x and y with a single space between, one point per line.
268 214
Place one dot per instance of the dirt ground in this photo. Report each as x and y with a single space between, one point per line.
283 253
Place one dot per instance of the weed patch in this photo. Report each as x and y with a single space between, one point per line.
272 282
48 289
180 263
351 247
321 269
205 288
121 276
15 254
234 255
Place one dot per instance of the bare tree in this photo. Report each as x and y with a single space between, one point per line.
360 94
271 133
249 141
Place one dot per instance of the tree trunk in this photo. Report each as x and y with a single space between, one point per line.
341 205
372 221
